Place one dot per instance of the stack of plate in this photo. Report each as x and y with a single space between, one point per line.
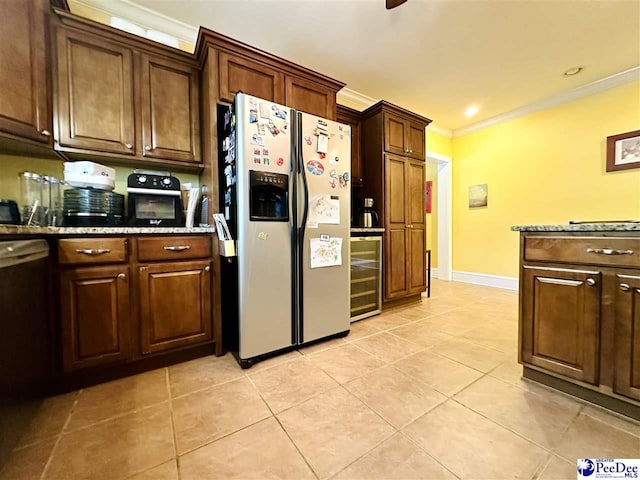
91 207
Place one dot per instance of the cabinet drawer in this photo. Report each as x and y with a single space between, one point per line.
92 250
594 251
173 248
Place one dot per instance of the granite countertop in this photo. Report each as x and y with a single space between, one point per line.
581 227
24 230
367 229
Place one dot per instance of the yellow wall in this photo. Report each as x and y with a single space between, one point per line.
544 168
436 143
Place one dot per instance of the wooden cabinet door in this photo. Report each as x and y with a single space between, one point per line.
627 337
95 316
416 257
560 321
24 104
238 74
396 224
170 111
415 140
175 305
350 117
310 97
94 94
395 134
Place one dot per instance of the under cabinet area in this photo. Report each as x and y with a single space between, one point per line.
123 299
580 314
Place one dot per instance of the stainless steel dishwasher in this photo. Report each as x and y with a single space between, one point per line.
25 336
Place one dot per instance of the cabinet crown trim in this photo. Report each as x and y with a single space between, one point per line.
384 106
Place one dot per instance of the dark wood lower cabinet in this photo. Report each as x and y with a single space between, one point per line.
626 380
560 329
95 316
175 305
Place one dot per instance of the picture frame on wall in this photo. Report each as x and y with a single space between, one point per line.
623 151
429 192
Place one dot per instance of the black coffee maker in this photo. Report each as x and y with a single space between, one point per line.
368 217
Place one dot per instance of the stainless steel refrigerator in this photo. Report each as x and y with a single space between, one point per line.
285 193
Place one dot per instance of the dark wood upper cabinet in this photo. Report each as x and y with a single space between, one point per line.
24 101
170 115
626 380
404 136
560 321
95 316
95 101
416 140
175 305
310 97
238 74
351 117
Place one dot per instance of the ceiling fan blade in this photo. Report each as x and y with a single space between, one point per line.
394 3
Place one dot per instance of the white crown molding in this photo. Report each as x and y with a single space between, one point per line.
351 96
144 17
633 74
445 132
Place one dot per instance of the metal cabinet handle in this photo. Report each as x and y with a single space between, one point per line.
46 133
591 282
147 148
92 251
207 268
128 145
609 251
122 275
625 287
177 248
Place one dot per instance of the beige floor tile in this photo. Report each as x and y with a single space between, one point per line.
542 419
410 314
260 451
421 334
446 376
395 396
387 347
472 446
291 383
361 329
49 419
396 459
27 463
203 416
115 449
118 397
322 346
165 471
387 321
454 322
334 429
203 372
591 438
346 362
470 354
273 361
558 469
508 371
614 419
494 336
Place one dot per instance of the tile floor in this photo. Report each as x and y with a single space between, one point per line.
428 391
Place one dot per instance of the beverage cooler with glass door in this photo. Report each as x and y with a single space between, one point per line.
366 277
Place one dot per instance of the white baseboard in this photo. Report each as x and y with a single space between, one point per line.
497 281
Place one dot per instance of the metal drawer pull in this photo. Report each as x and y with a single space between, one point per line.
207 268
91 251
591 282
624 287
177 248
609 251
122 275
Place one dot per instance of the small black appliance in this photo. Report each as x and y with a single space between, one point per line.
154 199
9 213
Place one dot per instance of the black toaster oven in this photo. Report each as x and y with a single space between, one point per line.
154 200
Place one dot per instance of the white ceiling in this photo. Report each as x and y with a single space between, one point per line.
435 57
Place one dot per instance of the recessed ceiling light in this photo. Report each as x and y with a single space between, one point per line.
572 71
471 111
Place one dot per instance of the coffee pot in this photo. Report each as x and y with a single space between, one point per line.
368 217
